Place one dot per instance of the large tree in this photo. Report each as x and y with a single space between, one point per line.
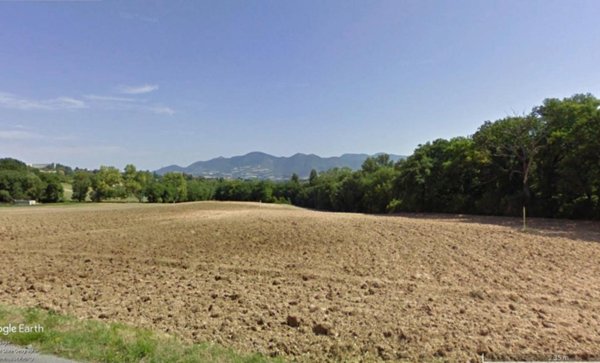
134 181
82 181
514 143
53 190
567 169
174 188
107 183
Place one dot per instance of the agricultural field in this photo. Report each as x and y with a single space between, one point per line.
313 286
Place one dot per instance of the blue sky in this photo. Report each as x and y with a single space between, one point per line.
90 83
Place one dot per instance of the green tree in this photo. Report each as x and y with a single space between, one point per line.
200 189
131 181
312 179
262 191
21 183
413 182
516 141
81 185
142 179
154 191
53 190
295 178
106 184
5 196
351 193
175 188
566 169
12 164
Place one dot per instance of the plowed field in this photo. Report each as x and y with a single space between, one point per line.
313 286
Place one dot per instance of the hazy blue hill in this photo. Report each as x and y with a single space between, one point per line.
264 166
170 168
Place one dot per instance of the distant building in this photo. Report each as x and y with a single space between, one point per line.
42 166
25 202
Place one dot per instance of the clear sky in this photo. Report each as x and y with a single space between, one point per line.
89 83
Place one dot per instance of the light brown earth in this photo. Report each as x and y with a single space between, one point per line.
310 285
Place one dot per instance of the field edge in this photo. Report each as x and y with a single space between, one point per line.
96 341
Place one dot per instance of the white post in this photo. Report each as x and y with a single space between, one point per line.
524 218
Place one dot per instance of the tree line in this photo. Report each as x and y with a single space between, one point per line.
547 160
19 181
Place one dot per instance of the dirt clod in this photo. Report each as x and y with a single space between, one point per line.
322 329
293 321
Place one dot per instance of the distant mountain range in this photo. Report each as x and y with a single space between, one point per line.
258 165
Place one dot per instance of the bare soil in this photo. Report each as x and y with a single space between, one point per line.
314 286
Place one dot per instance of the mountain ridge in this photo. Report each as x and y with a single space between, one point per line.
260 165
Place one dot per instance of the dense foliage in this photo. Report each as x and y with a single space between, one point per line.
547 160
19 181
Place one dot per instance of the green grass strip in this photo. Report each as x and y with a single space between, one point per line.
96 341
